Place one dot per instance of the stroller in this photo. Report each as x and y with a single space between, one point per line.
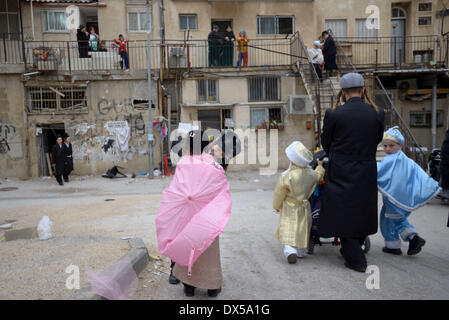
315 205
433 164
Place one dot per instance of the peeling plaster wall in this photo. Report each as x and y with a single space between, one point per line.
12 129
107 101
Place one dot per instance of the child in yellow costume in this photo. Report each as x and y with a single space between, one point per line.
242 47
294 188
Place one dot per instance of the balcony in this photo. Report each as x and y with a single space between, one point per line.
67 57
412 52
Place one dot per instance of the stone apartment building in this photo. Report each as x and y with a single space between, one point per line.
47 88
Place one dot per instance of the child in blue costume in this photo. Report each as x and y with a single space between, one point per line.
404 187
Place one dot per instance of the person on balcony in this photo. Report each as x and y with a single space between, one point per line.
242 42
122 50
228 47
93 40
317 58
215 47
351 134
330 54
82 36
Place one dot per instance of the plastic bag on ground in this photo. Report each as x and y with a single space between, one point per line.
44 228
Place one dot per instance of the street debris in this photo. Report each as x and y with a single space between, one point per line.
44 228
126 238
6 226
26 233
155 258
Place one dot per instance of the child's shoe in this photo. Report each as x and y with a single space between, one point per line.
172 279
292 258
189 290
415 245
213 292
392 251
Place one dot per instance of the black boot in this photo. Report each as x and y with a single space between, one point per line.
172 279
213 292
189 290
415 245
292 258
358 268
392 251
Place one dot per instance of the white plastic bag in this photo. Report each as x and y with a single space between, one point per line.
44 228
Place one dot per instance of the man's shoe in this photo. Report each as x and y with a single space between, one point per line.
61 184
172 279
392 251
415 245
189 290
361 268
66 180
213 293
292 258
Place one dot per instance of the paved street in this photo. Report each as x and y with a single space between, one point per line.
253 265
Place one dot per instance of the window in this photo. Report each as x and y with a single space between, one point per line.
362 31
425 21
137 21
188 22
339 27
261 115
397 13
425 6
9 19
264 89
419 119
54 21
44 99
275 25
226 119
207 90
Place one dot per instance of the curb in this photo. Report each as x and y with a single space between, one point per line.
138 255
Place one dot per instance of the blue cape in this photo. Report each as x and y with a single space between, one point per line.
404 183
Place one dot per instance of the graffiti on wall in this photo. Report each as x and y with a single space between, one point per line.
10 140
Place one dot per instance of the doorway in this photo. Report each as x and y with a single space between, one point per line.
209 119
222 24
398 23
45 142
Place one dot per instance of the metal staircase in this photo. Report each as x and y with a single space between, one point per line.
392 116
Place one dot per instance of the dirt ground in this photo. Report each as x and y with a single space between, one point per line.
87 231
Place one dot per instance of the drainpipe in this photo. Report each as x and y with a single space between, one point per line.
434 112
150 116
32 18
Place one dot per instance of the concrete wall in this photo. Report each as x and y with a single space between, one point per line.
13 132
234 91
424 135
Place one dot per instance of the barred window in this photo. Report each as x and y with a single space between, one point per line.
264 89
207 91
424 119
188 22
267 115
51 99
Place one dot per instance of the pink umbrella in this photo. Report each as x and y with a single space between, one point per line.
194 210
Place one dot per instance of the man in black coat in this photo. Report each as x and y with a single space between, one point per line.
68 165
82 36
330 53
351 133
59 159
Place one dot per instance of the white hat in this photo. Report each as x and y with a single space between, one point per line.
298 154
317 43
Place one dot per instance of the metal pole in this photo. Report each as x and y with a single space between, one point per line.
150 116
32 18
434 112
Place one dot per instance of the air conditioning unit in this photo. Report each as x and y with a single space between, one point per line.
299 104
405 85
178 57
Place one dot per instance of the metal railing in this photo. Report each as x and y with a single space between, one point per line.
392 116
393 52
315 88
11 48
78 56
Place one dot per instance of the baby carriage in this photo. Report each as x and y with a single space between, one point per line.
315 205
